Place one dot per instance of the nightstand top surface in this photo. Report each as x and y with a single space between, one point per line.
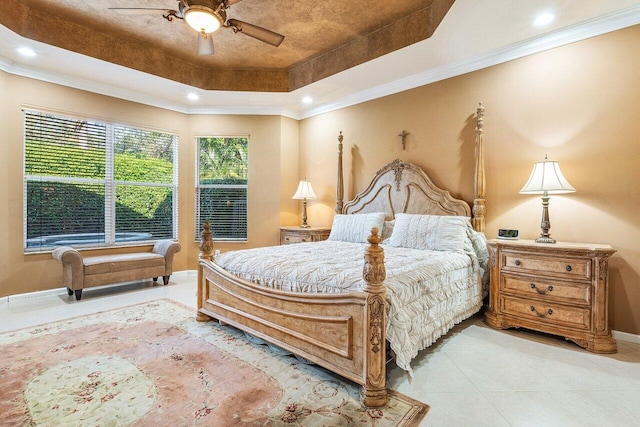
559 245
298 228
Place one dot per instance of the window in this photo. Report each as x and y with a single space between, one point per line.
88 183
221 192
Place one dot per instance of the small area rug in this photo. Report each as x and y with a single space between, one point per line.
152 364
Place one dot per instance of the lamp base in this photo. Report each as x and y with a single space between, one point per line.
304 214
543 239
545 225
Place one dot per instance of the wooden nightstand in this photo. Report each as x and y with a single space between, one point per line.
560 289
289 235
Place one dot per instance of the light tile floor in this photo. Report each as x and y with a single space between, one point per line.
474 376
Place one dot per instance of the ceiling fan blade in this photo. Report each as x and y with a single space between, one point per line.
141 11
259 33
205 44
231 2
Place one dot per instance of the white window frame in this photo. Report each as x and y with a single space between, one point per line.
109 183
199 220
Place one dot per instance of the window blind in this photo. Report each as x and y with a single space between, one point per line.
96 184
222 184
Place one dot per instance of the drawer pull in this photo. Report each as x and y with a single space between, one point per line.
568 267
542 291
517 262
548 312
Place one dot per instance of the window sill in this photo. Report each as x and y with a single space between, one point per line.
92 248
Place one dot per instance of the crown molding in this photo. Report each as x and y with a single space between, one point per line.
591 28
249 110
87 85
6 65
133 96
584 30
35 73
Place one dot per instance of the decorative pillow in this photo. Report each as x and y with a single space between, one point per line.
387 230
355 228
434 232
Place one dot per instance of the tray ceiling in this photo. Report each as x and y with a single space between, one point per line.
322 38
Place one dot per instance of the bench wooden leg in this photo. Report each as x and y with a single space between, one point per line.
78 294
165 279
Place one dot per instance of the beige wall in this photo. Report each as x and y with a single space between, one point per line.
289 171
267 139
270 136
579 104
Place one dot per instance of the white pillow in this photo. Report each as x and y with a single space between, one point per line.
387 230
356 228
434 232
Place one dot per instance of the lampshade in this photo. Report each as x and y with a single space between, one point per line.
304 191
203 19
547 177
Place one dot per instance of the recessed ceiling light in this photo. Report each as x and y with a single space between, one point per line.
307 100
544 19
193 96
25 51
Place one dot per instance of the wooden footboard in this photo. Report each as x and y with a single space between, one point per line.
344 333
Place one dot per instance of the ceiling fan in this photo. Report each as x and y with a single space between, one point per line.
207 16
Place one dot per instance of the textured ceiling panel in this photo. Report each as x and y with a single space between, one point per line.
322 38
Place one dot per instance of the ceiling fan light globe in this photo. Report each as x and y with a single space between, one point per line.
203 19
205 45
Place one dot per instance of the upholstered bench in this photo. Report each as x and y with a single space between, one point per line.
84 272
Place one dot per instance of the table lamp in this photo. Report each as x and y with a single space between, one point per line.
546 178
304 193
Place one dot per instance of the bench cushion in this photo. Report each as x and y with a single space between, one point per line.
121 262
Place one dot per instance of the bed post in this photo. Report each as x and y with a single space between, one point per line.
339 184
479 182
374 390
206 253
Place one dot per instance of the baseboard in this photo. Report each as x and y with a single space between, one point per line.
36 294
625 336
57 291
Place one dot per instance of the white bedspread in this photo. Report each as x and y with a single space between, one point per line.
428 292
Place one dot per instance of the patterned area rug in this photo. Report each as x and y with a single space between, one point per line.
153 365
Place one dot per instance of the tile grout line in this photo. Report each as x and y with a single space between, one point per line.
476 388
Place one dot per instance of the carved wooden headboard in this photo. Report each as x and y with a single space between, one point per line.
402 187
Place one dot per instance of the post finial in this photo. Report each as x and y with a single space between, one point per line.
480 114
206 242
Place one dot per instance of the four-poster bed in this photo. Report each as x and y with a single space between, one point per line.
345 330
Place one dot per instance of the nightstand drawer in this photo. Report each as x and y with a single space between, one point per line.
291 235
578 268
561 315
286 240
571 293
